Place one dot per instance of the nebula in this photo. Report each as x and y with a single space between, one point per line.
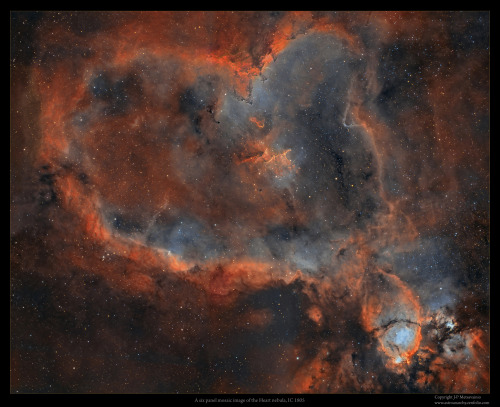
264 202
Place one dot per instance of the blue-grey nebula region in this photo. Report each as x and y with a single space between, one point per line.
250 202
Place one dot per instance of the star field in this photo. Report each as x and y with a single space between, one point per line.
249 202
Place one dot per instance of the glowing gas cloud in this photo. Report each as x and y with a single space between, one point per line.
249 202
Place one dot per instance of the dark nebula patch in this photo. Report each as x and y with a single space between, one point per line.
250 202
